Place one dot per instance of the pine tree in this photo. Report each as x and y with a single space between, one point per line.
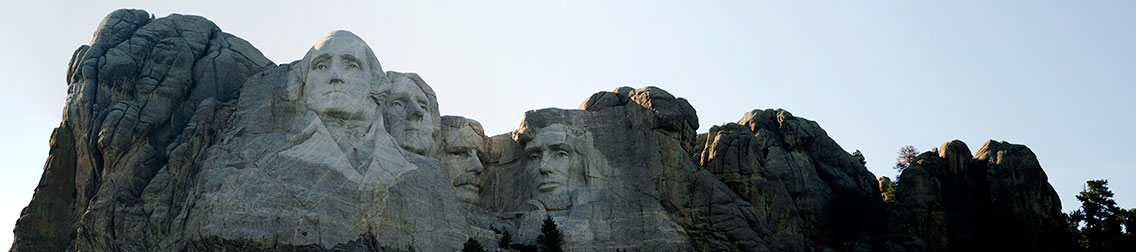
472 245
506 240
1074 226
1099 218
860 157
1129 243
550 237
887 189
906 156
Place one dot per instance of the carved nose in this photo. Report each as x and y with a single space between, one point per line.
336 76
415 112
544 167
475 165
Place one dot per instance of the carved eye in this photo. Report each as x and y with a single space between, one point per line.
462 154
534 155
396 103
353 66
561 154
320 67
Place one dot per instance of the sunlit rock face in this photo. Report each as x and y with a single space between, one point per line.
180 137
330 178
411 111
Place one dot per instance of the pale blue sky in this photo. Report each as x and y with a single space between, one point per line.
1054 75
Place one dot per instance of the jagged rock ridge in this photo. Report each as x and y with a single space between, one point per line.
998 200
180 137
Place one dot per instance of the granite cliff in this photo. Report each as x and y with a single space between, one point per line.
177 136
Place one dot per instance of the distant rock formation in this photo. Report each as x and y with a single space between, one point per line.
135 98
180 137
810 193
997 200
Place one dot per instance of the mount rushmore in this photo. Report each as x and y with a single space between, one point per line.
177 136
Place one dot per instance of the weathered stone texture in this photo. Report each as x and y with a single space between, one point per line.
179 137
131 92
812 193
997 200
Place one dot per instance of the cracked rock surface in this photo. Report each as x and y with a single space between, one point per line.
177 136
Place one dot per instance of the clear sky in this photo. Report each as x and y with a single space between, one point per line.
1056 76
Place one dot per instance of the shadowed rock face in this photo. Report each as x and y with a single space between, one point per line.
999 200
133 93
179 137
811 193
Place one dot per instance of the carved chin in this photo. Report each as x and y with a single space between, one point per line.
417 143
467 193
338 111
556 201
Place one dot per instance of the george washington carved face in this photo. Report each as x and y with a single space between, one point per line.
341 77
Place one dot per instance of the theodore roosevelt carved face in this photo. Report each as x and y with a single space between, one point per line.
463 146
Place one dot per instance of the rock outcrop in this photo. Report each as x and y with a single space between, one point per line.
132 93
808 190
997 200
180 137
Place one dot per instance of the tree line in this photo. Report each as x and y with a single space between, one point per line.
548 241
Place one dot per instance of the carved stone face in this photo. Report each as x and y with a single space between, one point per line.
408 117
338 83
553 157
459 156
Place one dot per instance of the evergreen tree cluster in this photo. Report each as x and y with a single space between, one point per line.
887 189
549 240
550 237
860 157
472 245
1101 225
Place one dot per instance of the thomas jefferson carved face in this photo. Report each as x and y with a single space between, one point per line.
462 144
552 156
339 79
408 115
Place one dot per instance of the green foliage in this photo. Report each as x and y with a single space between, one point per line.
550 237
859 156
548 241
524 248
506 240
472 245
887 189
1097 224
906 157
1074 227
1130 224
1129 242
